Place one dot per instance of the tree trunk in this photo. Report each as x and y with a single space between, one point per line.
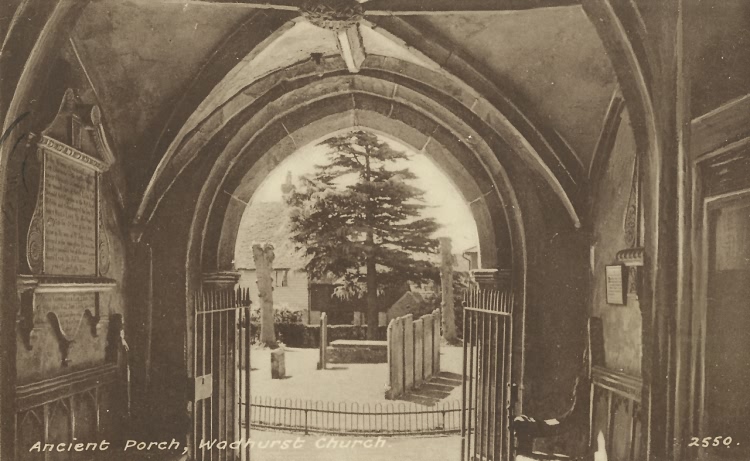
372 275
263 256
446 281
372 299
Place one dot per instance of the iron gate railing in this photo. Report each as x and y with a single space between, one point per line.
487 335
221 368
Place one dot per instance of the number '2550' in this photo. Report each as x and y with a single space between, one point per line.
710 441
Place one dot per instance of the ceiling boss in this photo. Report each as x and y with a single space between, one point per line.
342 17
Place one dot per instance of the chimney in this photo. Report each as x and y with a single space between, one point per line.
287 187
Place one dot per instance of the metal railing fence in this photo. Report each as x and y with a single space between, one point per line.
351 418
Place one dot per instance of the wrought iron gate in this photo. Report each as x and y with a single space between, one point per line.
221 368
487 336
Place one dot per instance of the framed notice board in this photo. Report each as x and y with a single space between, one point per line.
616 284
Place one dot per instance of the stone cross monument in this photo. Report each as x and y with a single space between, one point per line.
446 282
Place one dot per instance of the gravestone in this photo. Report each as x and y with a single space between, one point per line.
436 342
278 365
323 359
395 358
418 352
428 345
408 352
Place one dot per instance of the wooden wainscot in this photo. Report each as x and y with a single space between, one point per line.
75 408
616 412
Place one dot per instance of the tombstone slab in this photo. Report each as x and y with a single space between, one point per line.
395 359
428 343
418 352
408 352
436 323
278 366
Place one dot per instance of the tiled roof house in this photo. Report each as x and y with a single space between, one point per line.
269 222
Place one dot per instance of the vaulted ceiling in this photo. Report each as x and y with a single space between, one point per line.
160 67
142 55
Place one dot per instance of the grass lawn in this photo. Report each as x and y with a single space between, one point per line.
361 383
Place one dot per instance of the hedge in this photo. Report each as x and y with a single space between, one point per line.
301 335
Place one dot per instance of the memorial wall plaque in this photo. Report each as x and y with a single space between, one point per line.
65 237
67 251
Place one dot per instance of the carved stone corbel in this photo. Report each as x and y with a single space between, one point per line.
633 259
62 338
633 256
26 329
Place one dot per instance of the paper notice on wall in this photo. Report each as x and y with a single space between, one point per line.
615 285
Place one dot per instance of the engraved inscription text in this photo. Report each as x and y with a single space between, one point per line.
70 214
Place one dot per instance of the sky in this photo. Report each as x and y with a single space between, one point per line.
444 201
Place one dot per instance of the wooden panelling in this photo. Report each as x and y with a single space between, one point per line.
720 127
616 412
46 391
726 170
63 410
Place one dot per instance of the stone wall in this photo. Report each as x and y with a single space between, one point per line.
69 379
413 352
622 323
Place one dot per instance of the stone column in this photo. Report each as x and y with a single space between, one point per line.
446 281
263 256
667 195
659 106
